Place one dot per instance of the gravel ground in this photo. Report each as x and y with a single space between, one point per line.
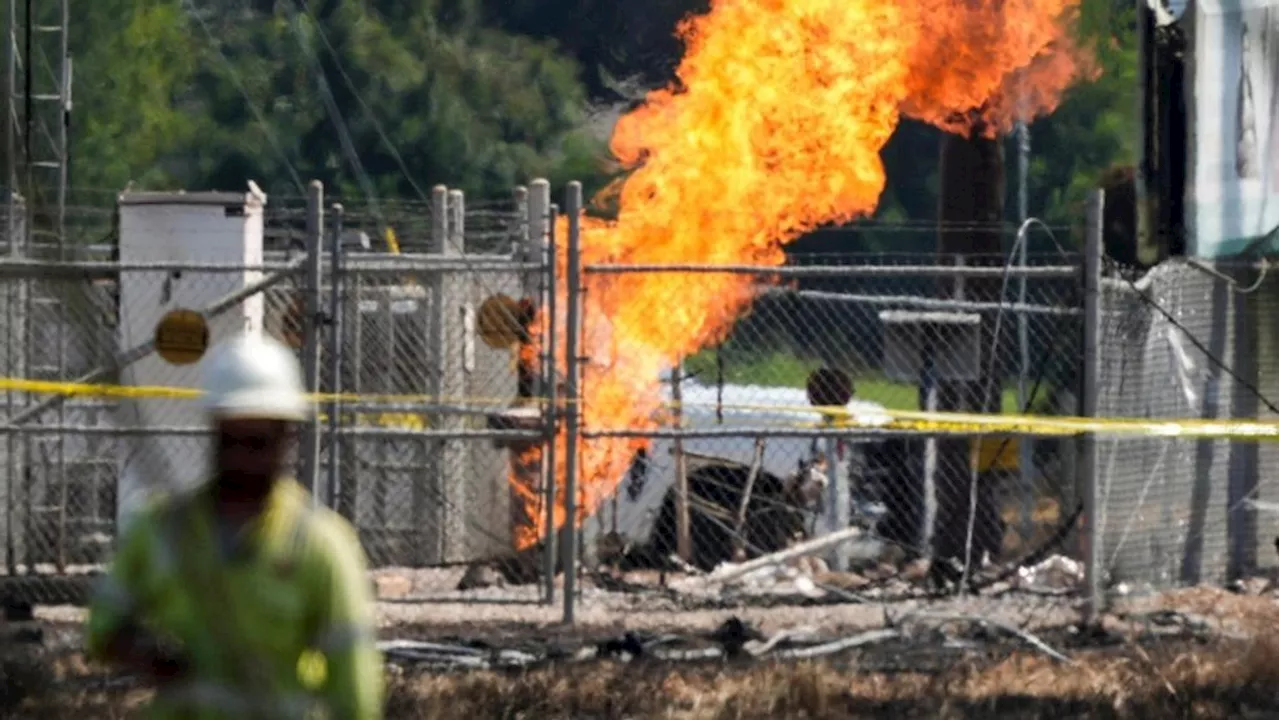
1189 653
424 599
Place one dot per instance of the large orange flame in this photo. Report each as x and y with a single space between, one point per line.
775 127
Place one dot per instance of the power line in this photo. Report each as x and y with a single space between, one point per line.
194 13
364 107
335 116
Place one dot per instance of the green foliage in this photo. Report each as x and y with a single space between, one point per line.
196 94
1096 128
478 94
128 66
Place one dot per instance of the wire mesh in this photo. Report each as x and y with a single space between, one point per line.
440 428
426 500
424 365
76 462
1188 339
765 470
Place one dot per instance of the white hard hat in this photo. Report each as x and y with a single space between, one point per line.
254 376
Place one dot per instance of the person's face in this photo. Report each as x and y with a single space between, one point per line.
249 453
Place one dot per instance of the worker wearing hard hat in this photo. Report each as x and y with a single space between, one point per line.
243 599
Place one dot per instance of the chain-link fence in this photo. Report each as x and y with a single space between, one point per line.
388 309
77 458
704 413
764 468
1188 339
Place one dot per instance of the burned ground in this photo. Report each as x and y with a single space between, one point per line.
1194 653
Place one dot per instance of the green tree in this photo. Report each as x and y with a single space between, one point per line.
131 61
1096 127
425 92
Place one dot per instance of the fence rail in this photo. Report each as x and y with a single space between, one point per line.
517 406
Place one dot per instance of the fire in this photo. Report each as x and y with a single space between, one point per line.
773 128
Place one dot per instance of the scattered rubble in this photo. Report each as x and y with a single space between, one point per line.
481 575
1056 572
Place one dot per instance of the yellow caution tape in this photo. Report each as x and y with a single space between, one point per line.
389 420
980 424
159 392
836 417
70 389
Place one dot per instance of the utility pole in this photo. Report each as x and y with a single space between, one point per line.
970 217
1025 457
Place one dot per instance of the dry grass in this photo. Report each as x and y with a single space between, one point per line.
1169 678
1207 682
1224 680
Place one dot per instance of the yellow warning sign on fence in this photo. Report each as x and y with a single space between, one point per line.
182 336
996 453
498 321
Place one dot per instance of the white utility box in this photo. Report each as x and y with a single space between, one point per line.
183 229
955 338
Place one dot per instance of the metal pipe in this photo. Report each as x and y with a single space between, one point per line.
60 229
12 298
869 271
505 436
553 408
401 265
684 539
929 471
838 500
928 303
1025 459
335 356
357 432
431 548
779 431
573 207
1086 467
422 264
542 226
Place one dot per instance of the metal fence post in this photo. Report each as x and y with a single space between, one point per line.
457 492
335 356
684 534
16 347
309 445
838 499
1086 467
573 408
541 227
425 500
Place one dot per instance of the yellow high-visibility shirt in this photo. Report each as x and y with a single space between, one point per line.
254 622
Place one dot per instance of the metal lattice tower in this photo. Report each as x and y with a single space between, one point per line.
38 124
39 71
